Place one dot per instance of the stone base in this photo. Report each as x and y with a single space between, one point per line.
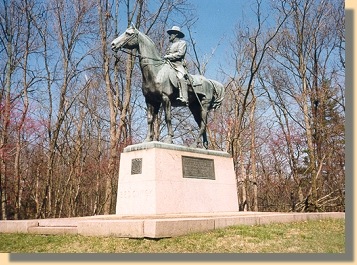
158 178
155 226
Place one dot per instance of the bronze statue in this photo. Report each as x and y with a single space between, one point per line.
160 85
176 55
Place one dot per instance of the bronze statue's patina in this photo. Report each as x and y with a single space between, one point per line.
161 83
176 55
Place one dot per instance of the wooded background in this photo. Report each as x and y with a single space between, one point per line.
68 107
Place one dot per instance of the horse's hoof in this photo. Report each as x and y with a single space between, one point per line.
205 145
168 140
194 145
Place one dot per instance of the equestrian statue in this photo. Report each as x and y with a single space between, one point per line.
166 82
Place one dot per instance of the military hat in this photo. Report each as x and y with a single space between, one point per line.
176 30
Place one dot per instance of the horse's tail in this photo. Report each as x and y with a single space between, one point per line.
218 94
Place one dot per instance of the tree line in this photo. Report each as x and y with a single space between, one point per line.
68 106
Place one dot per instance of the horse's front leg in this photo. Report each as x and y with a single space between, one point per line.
167 108
152 111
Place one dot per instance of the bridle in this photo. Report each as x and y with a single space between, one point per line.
132 36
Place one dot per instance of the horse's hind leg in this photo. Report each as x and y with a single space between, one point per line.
167 108
203 126
200 116
205 141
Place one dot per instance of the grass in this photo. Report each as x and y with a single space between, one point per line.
324 236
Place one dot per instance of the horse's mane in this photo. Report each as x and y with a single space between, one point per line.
151 44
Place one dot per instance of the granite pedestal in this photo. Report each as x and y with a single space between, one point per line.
158 178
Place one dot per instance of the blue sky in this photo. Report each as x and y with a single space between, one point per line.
216 21
215 25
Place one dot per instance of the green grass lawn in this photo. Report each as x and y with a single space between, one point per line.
324 236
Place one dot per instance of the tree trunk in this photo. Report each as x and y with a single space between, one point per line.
253 161
5 119
243 181
104 24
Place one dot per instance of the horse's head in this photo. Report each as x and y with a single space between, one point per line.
127 40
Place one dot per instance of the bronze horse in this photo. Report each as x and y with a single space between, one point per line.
160 85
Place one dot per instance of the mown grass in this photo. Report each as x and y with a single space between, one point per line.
324 236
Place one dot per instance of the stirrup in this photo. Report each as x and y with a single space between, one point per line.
182 100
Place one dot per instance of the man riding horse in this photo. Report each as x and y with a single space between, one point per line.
159 86
176 55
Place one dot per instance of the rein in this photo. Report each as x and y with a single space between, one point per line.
159 61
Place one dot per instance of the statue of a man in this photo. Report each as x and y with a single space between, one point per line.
176 55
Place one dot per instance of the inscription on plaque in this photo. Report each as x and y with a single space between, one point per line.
200 168
136 166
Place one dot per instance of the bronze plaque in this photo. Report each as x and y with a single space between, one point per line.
136 166
199 168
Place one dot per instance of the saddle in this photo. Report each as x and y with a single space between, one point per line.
195 82
168 71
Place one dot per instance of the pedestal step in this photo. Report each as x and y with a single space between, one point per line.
156 226
41 230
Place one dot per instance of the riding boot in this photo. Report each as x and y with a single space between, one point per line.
183 92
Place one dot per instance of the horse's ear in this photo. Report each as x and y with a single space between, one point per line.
132 25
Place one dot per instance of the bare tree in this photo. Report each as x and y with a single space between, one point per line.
27 9
70 28
16 39
8 37
249 51
305 48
